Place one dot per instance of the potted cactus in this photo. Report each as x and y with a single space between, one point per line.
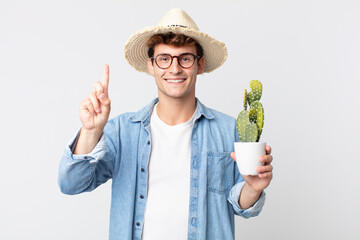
249 126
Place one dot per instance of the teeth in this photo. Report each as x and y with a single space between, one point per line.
175 81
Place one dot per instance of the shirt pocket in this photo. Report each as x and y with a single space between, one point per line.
220 174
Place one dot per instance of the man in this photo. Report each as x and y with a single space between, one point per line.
170 163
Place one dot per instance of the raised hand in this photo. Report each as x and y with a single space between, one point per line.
94 114
95 108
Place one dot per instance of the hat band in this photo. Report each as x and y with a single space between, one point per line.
177 25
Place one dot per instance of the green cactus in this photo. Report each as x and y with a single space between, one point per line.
245 99
256 89
252 113
256 115
250 123
251 133
241 123
250 98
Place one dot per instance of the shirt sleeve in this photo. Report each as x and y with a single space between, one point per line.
234 200
85 172
97 153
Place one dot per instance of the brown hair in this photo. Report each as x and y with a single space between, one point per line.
174 40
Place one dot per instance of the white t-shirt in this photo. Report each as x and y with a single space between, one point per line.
167 207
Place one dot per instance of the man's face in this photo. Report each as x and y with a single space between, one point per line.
175 82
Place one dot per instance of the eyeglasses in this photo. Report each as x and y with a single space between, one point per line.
185 60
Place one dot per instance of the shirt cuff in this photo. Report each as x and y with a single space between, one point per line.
94 156
234 200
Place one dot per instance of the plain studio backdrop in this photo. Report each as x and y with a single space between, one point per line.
306 54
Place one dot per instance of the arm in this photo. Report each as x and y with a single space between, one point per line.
83 173
248 197
80 169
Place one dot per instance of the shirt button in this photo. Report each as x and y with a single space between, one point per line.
193 221
143 169
137 224
148 142
141 196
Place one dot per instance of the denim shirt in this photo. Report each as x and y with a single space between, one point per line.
122 154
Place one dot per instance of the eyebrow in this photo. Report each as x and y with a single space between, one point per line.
177 55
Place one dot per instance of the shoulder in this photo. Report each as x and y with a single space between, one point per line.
218 117
122 119
134 118
219 126
218 122
212 114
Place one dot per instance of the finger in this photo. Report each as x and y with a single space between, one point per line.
263 169
98 88
268 149
95 102
86 105
266 175
267 159
105 78
233 156
90 108
104 100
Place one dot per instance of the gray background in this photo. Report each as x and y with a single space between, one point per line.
306 53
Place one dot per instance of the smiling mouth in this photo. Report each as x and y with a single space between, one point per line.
177 80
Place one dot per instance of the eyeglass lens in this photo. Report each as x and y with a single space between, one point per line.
185 60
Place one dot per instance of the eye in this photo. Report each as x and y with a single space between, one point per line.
163 58
187 58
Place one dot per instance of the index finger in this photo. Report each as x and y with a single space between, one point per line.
105 78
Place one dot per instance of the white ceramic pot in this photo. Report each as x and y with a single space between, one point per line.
247 156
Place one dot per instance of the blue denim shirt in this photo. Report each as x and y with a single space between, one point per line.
122 154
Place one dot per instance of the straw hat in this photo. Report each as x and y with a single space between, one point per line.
176 21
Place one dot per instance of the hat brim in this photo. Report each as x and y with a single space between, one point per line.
136 50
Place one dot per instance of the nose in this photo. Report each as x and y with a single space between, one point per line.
175 67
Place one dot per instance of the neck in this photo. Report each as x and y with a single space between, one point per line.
176 111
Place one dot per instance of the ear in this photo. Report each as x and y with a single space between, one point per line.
201 65
150 66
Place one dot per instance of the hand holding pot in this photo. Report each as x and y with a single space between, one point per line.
259 182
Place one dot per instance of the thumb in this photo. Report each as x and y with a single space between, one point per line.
233 156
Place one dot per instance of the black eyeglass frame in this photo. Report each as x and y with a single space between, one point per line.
177 57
